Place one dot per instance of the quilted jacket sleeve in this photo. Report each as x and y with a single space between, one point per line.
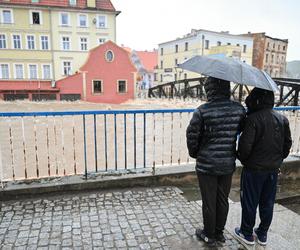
194 133
287 138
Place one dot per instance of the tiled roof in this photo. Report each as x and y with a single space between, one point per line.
148 59
82 4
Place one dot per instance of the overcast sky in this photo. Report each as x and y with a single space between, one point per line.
143 24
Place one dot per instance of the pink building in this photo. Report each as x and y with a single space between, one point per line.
108 76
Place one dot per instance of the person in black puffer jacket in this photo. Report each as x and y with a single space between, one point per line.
211 139
264 143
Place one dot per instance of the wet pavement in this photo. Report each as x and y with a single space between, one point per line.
152 218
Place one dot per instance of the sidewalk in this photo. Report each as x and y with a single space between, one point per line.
139 218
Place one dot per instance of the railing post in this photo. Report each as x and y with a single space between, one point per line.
1 167
84 145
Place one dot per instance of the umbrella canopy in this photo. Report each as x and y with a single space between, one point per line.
230 69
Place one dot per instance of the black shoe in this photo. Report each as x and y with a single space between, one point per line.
201 236
220 237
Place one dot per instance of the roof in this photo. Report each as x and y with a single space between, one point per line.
81 4
195 32
148 59
264 34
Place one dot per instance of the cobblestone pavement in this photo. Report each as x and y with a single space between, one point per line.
152 218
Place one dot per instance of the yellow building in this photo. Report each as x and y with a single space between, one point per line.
199 42
41 41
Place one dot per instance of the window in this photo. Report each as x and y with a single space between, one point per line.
19 72
161 77
161 51
272 60
101 40
273 45
278 47
66 68
161 64
219 43
4 71
228 43
46 71
186 46
44 42
33 71
176 62
109 56
122 86
238 44
101 22
2 41
30 42
64 19
244 48
16 41
97 87
283 48
82 20
185 75
155 76
267 57
36 17
66 43
175 77
72 2
176 48
7 16
206 44
83 44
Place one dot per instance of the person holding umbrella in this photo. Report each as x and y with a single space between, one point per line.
211 139
264 143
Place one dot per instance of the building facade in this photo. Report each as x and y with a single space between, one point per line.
145 62
199 42
42 41
113 82
269 54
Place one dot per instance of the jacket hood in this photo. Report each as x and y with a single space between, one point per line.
217 89
259 99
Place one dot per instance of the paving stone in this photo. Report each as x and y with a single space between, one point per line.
152 218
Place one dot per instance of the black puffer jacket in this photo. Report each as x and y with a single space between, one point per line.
213 129
266 138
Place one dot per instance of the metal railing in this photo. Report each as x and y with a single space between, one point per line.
51 144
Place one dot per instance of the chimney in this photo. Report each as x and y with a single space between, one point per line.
91 3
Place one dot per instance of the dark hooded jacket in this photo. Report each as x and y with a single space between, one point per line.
213 129
266 138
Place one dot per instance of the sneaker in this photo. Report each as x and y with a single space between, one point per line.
261 239
247 239
201 236
220 237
